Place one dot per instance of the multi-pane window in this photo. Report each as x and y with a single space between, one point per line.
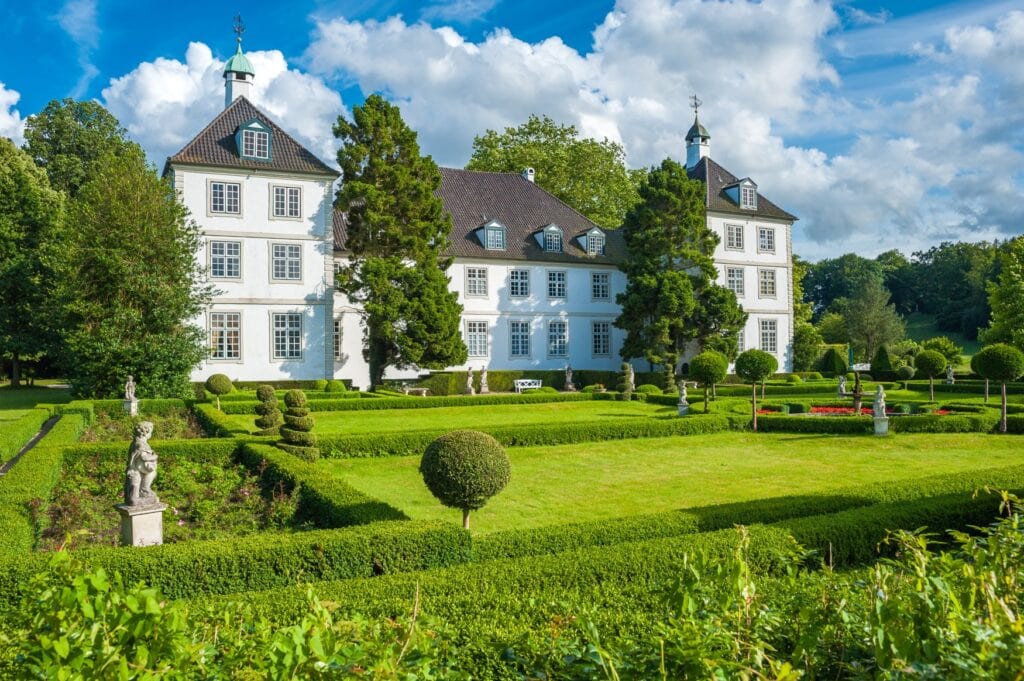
476 339
519 283
519 338
287 202
769 335
734 280
558 339
476 281
766 239
748 197
600 288
225 335
224 197
766 283
595 244
601 338
287 335
226 259
255 144
553 241
734 237
286 261
741 341
556 284
495 239
337 339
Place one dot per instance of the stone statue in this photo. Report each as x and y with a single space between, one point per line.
138 478
129 389
469 382
568 378
632 379
484 388
682 392
949 375
842 386
682 406
879 402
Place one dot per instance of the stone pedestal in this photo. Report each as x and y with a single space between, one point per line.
142 525
881 425
131 407
683 406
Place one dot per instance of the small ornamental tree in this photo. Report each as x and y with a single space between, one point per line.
296 437
625 386
754 366
833 362
905 373
945 347
464 469
930 363
269 421
1002 363
709 368
218 385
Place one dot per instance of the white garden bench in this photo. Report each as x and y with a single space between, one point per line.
522 384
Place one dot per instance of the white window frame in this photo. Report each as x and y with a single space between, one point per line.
210 185
764 235
733 237
476 282
595 284
554 342
223 327
595 243
748 197
498 242
287 260
477 340
762 280
525 339
289 210
227 258
769 335
552 238
338 330
524 282
553 280
737 285
288 330
741 340
606 333
251 140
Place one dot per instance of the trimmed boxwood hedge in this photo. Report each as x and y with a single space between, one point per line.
411 443
17 433
213 421
249 407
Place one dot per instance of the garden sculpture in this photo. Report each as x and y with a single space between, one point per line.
141 469
469 382
842 386
129 389
568 378
879 402
632 379
949 375
484 388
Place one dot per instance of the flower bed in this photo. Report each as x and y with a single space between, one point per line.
865 411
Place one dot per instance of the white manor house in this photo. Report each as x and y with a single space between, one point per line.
537 280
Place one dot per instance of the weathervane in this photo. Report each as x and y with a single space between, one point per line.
239 27
695 104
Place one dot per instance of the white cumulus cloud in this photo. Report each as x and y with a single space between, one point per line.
12 125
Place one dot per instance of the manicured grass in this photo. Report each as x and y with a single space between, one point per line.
23 399
922 327
554 413
594 481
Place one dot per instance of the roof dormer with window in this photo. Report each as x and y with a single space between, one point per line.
492 236
592 241
743 194
550 239
254 140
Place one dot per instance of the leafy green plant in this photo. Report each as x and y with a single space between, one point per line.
269 421
296 437
464 469
1002 363
625 386
754 366
930 363
219 384
709 368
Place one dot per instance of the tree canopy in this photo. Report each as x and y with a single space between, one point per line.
1006 297
397 232
589 175
871 320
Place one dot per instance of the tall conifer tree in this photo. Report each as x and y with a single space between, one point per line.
397 233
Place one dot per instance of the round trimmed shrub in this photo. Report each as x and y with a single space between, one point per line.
296 437
794 379
595 388
709 368
754 366
1000 363
905 373
464 469
219 384
320 384
649 389
269 421
295 399
335 386
930 363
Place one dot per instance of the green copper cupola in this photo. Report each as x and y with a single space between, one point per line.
238 72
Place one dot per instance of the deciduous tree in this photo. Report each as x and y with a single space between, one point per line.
397 232
1006 297
871 320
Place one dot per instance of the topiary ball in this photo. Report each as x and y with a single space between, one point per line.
219 384
265 393
649 389
295 398
465 468
336 386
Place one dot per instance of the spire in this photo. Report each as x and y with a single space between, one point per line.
238 72
698 139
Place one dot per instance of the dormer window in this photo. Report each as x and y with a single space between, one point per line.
495 240
595 242
253 139
553 239
748 198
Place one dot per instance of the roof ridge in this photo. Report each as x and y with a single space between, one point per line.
206 127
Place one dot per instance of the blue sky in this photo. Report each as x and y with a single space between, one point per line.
881 124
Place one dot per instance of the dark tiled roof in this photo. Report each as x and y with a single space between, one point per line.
215 145
716 179
475 198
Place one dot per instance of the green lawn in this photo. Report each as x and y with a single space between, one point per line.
19 400
391 420
594 481
922 327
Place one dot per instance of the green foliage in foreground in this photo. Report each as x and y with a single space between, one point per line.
952 615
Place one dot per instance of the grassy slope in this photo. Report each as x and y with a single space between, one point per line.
921 327
570 483
377 421
22 399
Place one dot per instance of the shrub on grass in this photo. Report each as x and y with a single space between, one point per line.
625 386
543 390
930 363
269 421
320 384
832 362
709 368
464 469
296 436
945 347
335 386
882 364
754 366
1002 363
649 389
218 385
905 373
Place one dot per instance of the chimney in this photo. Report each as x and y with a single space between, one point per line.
529 173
